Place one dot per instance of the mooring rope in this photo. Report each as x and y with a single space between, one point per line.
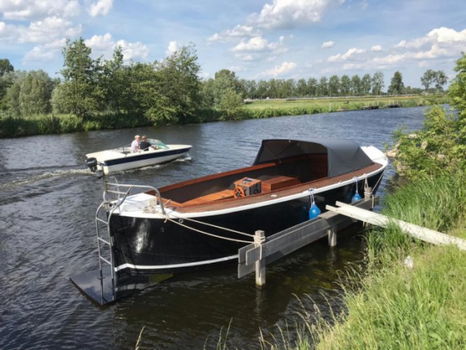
207 233
219 227
376 184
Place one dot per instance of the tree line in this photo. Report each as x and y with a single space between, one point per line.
167 91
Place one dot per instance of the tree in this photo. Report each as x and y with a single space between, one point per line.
179 83
35 91
6 68
12 93
312 87
440 80
79 91
113 81
224 93
396 85
334 85
322 87
366 84
377 83
229 103
435 78
457 93
345 85
301 88
427 79
355 85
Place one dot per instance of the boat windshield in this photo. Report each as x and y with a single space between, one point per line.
158 143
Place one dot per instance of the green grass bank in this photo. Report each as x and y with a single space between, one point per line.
12 126
274 108
411 295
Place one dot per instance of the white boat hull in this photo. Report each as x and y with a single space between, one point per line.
111 161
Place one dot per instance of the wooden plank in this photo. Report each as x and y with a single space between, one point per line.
413 230
293 238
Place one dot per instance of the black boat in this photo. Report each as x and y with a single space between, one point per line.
202 222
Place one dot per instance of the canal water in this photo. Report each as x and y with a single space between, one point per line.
47 205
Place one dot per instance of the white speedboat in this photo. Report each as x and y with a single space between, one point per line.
120 159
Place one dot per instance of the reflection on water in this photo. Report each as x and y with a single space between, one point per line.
47 205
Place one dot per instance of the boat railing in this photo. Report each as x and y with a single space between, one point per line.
117 192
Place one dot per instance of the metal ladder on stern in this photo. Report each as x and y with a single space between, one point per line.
113 197
105 241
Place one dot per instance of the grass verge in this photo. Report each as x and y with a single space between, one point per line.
420 305
274 108
11 126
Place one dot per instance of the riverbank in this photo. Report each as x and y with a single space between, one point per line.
274 108
412 294
11 126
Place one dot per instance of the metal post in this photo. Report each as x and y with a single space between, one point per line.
367 191
332 237
368 195
259 238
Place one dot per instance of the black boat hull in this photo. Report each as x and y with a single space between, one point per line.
145 246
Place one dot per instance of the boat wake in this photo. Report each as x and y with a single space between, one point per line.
18 182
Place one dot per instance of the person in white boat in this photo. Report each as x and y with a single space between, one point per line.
144 144
135 144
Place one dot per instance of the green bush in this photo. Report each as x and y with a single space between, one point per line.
436 149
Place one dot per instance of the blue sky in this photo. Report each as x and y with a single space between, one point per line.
256 39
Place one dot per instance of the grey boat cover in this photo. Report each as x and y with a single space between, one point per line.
343 156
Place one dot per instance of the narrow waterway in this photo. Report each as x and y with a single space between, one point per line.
47 205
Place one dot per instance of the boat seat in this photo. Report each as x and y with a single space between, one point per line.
278 182
211 197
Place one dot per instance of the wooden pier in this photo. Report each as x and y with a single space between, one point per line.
255 256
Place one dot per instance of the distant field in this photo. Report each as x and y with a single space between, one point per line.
321 105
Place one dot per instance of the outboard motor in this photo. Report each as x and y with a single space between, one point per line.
92 164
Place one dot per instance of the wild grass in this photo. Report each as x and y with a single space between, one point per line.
11 126
411 294
404 306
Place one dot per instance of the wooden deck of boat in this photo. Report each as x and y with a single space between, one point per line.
277 186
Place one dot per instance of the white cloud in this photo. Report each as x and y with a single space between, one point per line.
438 44
278 70
345 56
41 31
447 35
50 28
327 44
133 50
240 31
100 8
101 43
34 9
45 52
259 44
104 45
289 13
245 57
172 48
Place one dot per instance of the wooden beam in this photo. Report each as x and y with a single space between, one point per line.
293 238
413 230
